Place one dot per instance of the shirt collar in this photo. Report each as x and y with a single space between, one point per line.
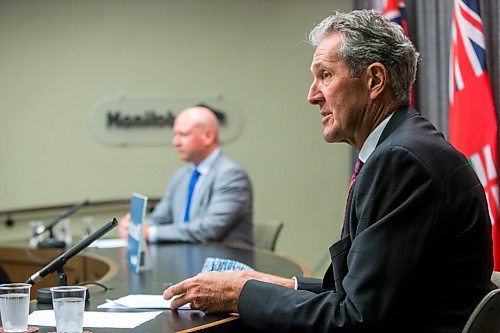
207 163
372 140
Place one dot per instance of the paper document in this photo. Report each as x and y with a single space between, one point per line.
96 319
139 302
109 243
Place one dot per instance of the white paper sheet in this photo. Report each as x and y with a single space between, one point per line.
96 319
109 243
139 301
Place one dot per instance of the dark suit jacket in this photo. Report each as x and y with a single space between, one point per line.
416 253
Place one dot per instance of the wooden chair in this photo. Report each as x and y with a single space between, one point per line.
266 234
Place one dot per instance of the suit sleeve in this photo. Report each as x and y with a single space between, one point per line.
392 217
230 197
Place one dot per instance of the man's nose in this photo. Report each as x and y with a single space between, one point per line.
314 95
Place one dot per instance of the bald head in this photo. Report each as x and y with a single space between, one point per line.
199 116
196 134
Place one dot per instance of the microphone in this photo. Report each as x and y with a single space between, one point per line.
60 261
68 212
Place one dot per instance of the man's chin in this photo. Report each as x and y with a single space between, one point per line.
182 157
334 139
329 137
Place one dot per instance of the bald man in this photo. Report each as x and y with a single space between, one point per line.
209 199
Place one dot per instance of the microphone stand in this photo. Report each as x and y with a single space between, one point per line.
51 242
62 278
44 294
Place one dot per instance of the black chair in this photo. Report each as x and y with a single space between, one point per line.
486 316
495 278
266 234
4 277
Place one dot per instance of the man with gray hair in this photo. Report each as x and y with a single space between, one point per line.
415 252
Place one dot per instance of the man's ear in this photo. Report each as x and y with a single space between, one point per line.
377 79
209 137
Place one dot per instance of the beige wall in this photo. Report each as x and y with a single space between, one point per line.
59 57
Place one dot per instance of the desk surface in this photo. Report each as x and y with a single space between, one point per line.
173 263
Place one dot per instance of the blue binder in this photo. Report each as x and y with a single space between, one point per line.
137 256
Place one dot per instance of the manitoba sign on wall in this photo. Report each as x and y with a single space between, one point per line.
120 120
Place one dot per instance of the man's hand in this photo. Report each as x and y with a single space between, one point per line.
217 292
210 292
123 225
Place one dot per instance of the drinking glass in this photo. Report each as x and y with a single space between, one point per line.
14 306
69 306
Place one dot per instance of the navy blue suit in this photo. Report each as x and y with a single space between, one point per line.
415 254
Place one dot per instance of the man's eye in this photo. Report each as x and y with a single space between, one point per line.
325 75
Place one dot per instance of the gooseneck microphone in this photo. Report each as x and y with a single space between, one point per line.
60 261
70 211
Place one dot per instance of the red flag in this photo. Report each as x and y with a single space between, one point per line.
473 121
395 11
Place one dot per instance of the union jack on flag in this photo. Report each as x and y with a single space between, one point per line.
467 25
473 121
395 11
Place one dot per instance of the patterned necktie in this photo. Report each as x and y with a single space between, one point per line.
357 168
192 183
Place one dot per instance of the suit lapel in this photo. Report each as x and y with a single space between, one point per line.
180 196
203 191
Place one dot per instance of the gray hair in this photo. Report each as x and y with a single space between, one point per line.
369 37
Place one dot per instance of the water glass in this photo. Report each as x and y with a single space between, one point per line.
14 306
69 306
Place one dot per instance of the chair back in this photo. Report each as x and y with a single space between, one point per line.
266 234
4 277
495 278
486 316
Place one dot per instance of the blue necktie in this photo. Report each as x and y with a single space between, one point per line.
192 183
